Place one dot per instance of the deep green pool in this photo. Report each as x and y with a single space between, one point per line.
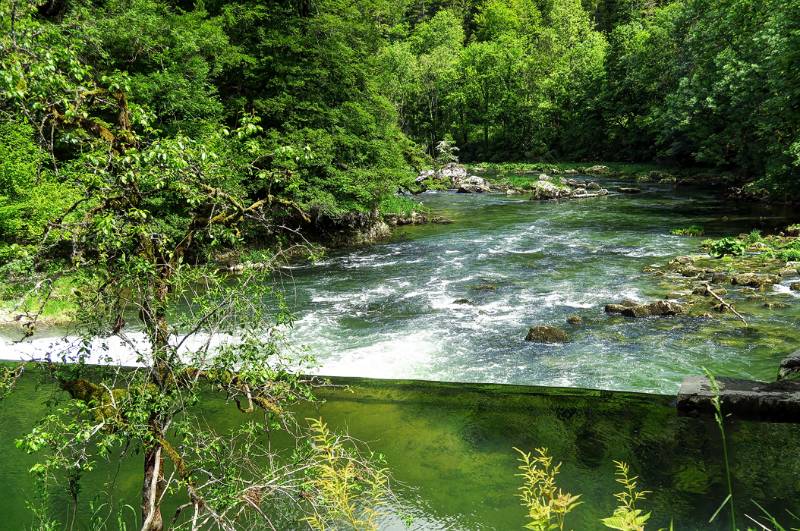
450 449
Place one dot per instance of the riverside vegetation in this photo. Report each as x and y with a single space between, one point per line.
148 149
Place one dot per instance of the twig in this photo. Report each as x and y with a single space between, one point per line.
727 305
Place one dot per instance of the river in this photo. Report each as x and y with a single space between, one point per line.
397 309
393 311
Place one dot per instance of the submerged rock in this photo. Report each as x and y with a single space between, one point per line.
629 190
649 309
546 334
575 320
462 301
705 291
485 287
776 401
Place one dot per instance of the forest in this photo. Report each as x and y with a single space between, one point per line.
336 101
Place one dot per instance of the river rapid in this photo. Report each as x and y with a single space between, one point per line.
454 302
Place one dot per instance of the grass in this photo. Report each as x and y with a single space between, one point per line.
400 205
59 307
693 231
510 171
771 247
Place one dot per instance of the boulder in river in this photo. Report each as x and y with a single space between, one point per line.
629 190
546 334
790 367
754 280
593 186
575 320
544 177
598 169
794 286
648 309
472 185
549 190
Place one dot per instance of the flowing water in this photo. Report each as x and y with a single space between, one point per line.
393 310
454 302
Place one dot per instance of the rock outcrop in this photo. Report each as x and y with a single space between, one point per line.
598 170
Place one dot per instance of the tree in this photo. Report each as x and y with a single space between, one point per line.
139 241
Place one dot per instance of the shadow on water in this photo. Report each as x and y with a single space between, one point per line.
449 447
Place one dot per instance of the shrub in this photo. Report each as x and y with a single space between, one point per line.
693 230
727 246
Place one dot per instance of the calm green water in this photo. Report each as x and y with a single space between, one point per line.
389 310
450 449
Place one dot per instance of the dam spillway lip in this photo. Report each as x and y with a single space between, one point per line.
490 388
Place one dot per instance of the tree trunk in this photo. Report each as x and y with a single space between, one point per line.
152 489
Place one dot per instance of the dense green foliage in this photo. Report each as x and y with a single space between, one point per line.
685 81
350 94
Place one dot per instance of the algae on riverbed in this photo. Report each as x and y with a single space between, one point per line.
434 436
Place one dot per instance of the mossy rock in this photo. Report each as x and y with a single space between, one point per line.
484 287
650 309
575 320
546 334
754 280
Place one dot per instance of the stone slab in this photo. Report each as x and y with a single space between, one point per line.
746 399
